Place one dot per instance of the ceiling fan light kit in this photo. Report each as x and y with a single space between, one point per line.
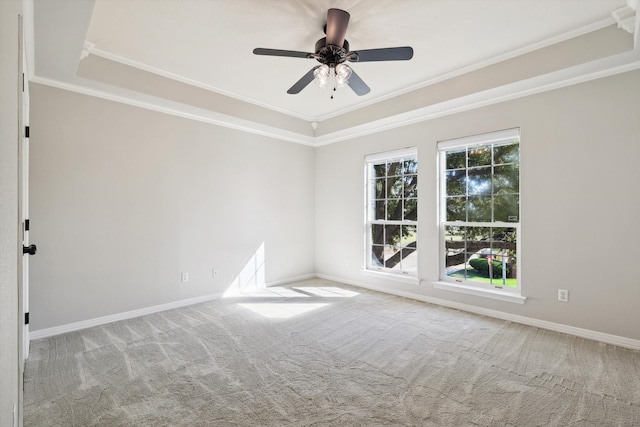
332 51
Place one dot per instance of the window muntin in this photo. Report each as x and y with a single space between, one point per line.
480 209
392 212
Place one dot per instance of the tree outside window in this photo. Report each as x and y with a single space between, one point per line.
480 209
392 194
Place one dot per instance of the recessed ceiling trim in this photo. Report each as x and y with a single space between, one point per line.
476 66
610 66
92 49
181 110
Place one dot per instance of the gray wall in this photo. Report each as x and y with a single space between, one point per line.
9 367
125 199
580 200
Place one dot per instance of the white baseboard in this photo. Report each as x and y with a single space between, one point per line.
557 327
291 279
70 327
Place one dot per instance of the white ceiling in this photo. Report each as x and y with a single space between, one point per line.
209 43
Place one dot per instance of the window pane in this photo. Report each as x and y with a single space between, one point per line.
506 179
380 170
380 212
394 209
377 256
456 208
480 156
456 159
503 238
456 183
454 247
392 235
479 208
509 153
479 254
411 209
377 234
395 168
478 242
392 257
379 189
506 208
409 236
410 166
394 187
479 181
505 252
478 236
410 185
457 266
409 260
486 268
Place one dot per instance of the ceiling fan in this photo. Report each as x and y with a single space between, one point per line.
332 52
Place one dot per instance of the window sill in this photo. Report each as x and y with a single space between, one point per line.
481 292
413 280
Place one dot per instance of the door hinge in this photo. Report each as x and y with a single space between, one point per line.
23 82
26 131
26 225
26 318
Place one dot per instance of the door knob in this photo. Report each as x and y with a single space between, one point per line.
31 249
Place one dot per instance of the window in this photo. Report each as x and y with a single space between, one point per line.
480 210
392 212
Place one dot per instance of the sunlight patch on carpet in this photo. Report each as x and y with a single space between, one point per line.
281 311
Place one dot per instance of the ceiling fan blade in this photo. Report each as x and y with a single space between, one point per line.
358 85
278 52
385 54
337 22
303 82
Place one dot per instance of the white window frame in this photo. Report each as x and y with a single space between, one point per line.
511 294
370 161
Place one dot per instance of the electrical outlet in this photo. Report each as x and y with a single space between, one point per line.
184 277
214 273
346 262
563 295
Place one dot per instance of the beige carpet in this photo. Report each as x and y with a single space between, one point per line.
317 353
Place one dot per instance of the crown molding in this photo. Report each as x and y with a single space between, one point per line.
616 64
628 19
479 65
609 66
90 48
603 67
180 110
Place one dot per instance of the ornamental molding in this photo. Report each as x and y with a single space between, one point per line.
628 19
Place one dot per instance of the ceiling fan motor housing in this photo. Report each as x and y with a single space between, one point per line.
331 54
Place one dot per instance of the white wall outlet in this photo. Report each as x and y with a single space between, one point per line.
346 262
184 277
563 295
214 273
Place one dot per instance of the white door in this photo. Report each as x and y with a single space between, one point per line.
23 194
